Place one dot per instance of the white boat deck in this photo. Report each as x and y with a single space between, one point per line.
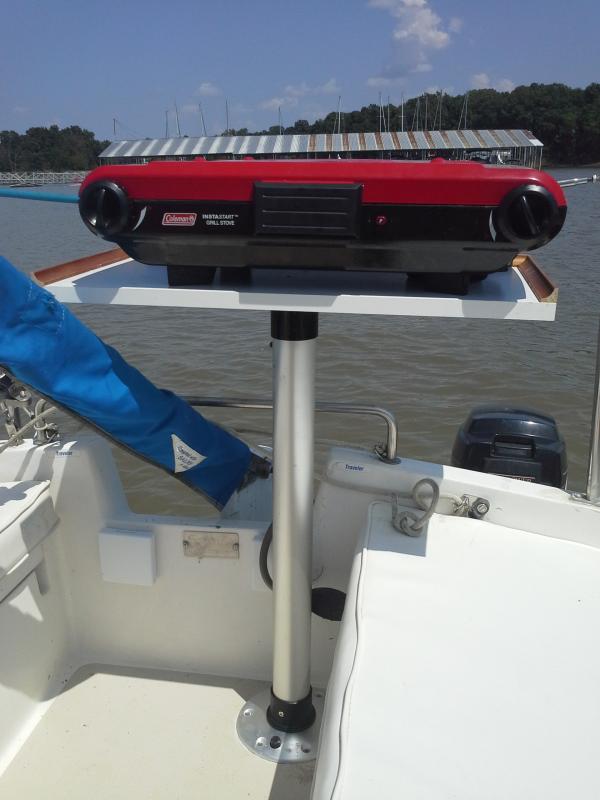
121 734
466 663
468 667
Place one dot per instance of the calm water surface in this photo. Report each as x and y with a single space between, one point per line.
429 372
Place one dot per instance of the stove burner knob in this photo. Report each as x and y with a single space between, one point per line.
528 216
105 208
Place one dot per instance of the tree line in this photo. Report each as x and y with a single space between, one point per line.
50 149
565 119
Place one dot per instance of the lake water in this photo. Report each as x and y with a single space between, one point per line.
429 372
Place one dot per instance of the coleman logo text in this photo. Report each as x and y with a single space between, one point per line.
171 218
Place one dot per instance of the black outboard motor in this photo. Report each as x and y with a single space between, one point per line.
513 442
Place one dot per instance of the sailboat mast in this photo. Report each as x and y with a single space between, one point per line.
202 118
177 119
417 115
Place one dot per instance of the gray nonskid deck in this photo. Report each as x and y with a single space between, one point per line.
123 734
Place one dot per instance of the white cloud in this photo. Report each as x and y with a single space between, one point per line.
20 110
297 90
481 80
505 85
421 24
190 108
303 89
293 92
208 89
329 87
417 31
273 103
379 82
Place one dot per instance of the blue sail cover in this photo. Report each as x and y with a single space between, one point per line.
45 346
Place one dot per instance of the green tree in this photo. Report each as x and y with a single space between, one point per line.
49 149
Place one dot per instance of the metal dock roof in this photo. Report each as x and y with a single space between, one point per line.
301 144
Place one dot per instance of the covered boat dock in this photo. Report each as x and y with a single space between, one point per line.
493 146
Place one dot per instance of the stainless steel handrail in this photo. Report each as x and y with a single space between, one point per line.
568 182
593 483
388 453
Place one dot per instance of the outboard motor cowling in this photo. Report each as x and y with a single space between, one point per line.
513 442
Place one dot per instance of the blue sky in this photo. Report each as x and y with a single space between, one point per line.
69 62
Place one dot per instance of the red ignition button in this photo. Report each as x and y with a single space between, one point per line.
381 220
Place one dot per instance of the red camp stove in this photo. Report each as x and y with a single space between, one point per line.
444 222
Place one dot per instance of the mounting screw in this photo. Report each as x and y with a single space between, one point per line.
480 508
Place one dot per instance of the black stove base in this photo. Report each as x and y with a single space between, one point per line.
457 283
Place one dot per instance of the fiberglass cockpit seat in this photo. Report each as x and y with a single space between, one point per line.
465 659
27 516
